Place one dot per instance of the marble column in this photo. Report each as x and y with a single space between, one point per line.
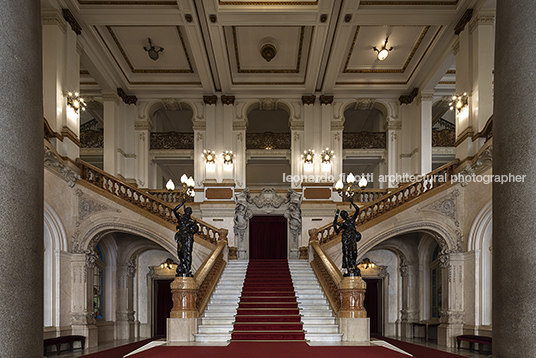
21 180
514 295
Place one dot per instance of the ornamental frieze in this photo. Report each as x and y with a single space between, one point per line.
443 138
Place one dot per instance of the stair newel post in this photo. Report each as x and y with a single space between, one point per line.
354 323
182 323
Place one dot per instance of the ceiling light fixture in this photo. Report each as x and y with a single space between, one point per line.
384 51
153 50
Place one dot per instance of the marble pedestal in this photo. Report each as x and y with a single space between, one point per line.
355 329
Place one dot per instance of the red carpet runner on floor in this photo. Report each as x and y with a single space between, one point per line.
119 352
419 351
268 309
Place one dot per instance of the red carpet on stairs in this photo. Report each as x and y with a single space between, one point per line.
268 309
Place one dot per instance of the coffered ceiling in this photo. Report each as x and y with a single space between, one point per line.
214 46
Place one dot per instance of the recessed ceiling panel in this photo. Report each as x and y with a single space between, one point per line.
248 41
131 41
404 41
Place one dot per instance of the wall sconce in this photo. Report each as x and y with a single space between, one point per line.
384 51
210 156
366 263
187 192
76 102
308 156
153 50
327 155
228 157
459 101
348 191
168 264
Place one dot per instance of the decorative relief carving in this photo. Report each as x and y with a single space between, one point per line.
240 137
228 100
445 206
131 267
363 140
404 268
172 104
267 197
210 100
268 140
443 138
200 136
127 99
71 20
307 100
452 317
482 163
268 104
409 98
56 165
326 100
172 140
364 104
92 138
293 215
463 21
337 136
394 136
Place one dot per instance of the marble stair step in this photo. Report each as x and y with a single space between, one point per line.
212 328
212 337
320 328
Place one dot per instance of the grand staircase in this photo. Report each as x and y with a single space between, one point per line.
317 317
217 321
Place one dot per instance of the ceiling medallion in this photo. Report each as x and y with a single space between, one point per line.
268 52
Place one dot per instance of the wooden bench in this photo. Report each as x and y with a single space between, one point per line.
58 341
426 325
472 339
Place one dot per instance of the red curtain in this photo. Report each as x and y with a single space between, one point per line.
162 306
268 237
373 304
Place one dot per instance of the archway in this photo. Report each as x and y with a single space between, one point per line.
268 237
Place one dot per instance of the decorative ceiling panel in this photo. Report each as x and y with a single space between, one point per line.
404 40
409 2
126 2
269 2
131 40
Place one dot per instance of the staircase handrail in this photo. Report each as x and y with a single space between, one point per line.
98 178
328 275
208 275
391 200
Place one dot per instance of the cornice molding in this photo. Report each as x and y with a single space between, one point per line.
71 20
108 96
54 18
481 19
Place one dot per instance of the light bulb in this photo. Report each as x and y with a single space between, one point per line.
351 178
339 185
170 185
184 178
363 182
382 55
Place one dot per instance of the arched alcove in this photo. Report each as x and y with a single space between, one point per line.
364 139
267 145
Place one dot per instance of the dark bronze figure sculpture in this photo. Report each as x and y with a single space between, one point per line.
186 229
350 238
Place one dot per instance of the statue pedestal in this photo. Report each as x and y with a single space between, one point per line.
182 323
354 324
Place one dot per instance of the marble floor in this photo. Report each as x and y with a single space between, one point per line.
420 341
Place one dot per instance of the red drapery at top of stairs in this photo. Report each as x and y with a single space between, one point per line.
268 309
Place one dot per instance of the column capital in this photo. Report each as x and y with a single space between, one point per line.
308 100
53 17
326 100
109 96
227 100
210 100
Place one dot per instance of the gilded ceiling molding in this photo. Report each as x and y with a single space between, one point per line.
210 100
414 3
96 2
71 20
228 100
308 99
325 99
409 98
265 3
125 57
463 21
125 98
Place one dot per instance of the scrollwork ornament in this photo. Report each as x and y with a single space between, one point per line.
404 268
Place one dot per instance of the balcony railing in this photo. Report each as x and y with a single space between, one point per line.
364 140
172 140
268 140
443 138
